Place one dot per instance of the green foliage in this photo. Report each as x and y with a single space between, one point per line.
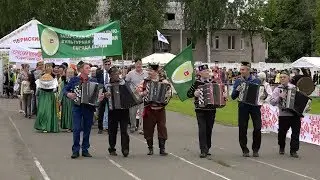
65 14
250 19
293 24
139 22
202 15
317 31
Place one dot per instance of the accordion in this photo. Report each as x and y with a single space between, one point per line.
157 93
88 93
295 102
251 93
123 96
212 95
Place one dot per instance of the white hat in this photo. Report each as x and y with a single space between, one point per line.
262 75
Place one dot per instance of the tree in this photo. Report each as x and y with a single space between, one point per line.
250 20
65 14
293 24
139 22
317 31
203 17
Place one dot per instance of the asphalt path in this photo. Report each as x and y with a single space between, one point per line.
27 154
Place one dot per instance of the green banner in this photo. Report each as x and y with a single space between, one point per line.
102 41
180 71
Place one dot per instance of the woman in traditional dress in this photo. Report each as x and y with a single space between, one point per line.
47 120
66 104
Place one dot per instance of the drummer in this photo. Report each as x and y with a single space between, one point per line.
244 110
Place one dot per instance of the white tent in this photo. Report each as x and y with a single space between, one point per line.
307 62
161 58
25 36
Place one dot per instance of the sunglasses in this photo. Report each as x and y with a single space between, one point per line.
107 64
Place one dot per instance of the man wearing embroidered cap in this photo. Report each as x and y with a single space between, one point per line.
205 116
286 119
244 110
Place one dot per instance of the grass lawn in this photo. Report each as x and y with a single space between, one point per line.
227 115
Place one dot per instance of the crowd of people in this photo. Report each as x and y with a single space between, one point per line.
49 93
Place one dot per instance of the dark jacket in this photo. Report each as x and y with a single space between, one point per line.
193 88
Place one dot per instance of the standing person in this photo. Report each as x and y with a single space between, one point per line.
47 120
244 110
267 94
66 103
117 116
154 114
82 114
26 94
24 73
36 74
136 76
286 119
103 78
205 116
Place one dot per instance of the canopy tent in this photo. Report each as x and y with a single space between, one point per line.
161 58
307 62
25 36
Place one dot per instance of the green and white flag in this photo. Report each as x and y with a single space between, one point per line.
104 40
180 72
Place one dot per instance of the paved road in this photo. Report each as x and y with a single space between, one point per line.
26 154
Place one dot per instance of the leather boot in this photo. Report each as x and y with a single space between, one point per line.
150 146
162 147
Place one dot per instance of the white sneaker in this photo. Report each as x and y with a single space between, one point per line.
21 111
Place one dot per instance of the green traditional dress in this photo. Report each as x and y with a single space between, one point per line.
47 120
66 110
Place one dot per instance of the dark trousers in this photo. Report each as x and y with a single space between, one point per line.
152 118
205 120
27 103
34 104
101 110
286 122
82 121
115 117
243 119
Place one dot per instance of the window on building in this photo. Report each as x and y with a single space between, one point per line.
242 44
170 16
231 42
189 41
159 46
217 42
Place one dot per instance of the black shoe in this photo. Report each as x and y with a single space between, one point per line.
246 154
125 153
100 131
294 154
281 151
150 146
162 143
86 154
203 155
255 154
113 153
75 155
150 151
209 154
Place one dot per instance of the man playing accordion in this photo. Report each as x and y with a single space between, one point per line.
205 116
247 109
82 114
287 119
154 113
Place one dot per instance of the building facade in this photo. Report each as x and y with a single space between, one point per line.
227 44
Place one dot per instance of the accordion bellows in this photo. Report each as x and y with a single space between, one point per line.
295 102
212 95
123 96
157 93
